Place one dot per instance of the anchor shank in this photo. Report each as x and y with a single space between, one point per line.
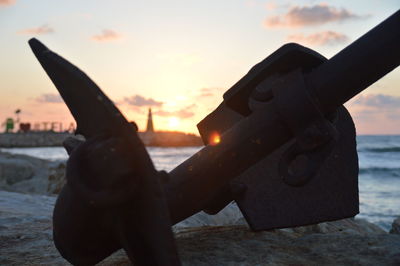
358 65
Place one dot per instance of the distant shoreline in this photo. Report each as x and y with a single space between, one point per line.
55 139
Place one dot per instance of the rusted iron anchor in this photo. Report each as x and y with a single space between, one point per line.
287 153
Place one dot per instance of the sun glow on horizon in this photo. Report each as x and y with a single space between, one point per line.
173 122
174 60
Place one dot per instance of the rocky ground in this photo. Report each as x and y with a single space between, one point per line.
26 238
22 173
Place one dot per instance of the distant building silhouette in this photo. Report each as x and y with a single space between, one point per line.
150 127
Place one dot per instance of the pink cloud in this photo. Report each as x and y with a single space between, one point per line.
377 101
49 98
320 38
299 16
7 2
250 3
271 6
375 113
138 100
45 29
107 35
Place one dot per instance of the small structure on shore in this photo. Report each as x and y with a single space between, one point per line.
150 137
28 137
9 124
150 127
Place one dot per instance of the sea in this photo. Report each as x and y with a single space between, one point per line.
379 176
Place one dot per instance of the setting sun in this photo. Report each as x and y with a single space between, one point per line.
173 122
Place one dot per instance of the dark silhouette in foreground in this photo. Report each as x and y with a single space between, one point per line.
286 153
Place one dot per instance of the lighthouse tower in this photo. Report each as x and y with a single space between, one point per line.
150 127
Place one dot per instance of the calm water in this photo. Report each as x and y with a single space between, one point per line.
379 179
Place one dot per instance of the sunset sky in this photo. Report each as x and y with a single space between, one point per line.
178 57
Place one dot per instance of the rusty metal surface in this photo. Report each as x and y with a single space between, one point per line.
331 194
288 57
253 129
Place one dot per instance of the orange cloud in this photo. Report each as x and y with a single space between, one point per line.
7 2
181 113
320 38
210 91
45 29
299 16
107 35
206 92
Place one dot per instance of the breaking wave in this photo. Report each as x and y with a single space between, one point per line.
381 150
381 171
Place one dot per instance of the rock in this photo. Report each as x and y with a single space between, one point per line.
345 226
22 173
236 245
26 238
395 226
14 170
56 178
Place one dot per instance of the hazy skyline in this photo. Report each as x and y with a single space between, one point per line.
178 57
